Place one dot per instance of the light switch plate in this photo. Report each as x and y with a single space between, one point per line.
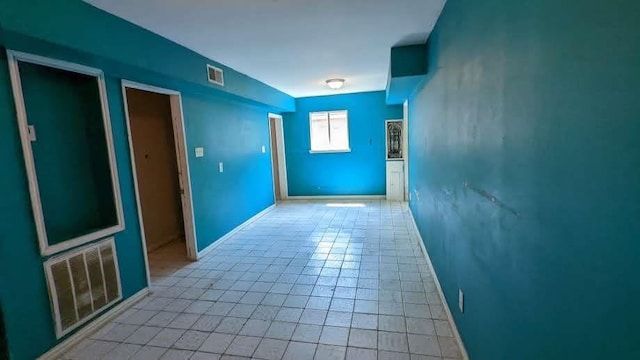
221 166
199 152
264 149
461 300
32 132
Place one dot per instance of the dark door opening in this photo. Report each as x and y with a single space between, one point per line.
156 166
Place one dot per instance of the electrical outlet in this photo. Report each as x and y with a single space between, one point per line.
461 300
221 166
199 152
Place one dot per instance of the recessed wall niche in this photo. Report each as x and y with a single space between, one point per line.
66 137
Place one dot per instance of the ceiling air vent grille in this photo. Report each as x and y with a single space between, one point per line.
81 283
215 75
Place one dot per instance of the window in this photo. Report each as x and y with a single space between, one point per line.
329 131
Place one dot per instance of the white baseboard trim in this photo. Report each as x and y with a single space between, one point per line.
339 197
228 235
447 310
91 327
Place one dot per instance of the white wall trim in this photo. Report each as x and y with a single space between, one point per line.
456 334
66 345
339 197
188 214
405 147
149 88
282 159
329 151
134 174
228 235
54 63
13 58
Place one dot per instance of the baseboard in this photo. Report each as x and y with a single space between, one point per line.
91 327
228 235
339 197
447 310
157 246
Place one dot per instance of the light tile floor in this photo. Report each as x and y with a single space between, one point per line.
309 280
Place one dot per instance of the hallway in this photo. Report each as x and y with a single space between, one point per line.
309 280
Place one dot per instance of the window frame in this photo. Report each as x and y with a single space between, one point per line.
329 151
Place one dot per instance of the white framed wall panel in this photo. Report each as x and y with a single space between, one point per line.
46 249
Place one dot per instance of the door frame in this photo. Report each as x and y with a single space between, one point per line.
281 158
405 149
184 176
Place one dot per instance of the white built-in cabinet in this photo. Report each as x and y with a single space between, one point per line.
395 180
394 130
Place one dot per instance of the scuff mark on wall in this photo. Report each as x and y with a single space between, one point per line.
491 198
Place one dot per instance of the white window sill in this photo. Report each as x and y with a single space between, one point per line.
329 151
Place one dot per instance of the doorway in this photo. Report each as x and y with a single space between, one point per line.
161 174
278 160
405 148
395 146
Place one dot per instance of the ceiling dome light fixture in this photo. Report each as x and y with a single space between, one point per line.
335 84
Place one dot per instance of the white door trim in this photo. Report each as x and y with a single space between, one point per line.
282 159
177 115
13 58
405 147
183 167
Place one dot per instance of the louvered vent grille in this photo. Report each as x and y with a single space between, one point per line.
81 283
215 75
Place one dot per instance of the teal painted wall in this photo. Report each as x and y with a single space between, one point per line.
360 172
408 60
231 124
407 72
232 134
23 292
535 104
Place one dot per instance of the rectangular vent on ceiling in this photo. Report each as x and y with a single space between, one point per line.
215 75
82 282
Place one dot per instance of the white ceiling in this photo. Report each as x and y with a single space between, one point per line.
292 45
